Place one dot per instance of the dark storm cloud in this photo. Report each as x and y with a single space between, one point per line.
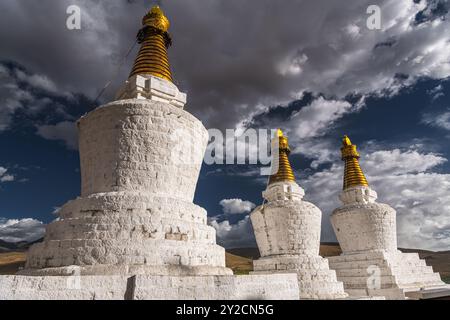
230 56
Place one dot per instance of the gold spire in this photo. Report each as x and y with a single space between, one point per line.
353 175
285 172
152 58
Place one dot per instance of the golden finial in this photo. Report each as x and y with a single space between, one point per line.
279 133
353 175
284 172
156 18
152 58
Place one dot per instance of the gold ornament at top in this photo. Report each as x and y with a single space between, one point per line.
284 172
156 19
154 38
353 175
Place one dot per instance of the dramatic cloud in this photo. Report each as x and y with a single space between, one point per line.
234 57
64 131
37 81
33 98
402 180
236 206
314 119
14 230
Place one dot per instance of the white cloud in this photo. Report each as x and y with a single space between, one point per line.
395 162
13 230
311 120
236 206
438 120
4 176
402 180
353 31
65 131
436 92
37 81
292 65
238 235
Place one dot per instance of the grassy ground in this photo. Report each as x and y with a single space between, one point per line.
239 265
11 262
446 279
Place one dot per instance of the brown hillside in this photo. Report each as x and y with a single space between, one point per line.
11 262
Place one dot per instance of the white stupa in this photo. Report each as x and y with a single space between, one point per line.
287 231
135 233
370 263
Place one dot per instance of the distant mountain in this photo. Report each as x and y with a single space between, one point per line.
16 246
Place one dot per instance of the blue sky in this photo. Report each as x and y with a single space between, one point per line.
312 69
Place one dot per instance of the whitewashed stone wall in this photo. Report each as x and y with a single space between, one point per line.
363 224
141 146
287 227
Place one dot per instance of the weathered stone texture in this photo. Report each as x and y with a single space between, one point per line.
141 146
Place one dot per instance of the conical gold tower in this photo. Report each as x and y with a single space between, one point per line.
285 172
353 175
152 58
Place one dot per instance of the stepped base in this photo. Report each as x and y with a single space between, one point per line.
315 279
124 233
389 274
140 287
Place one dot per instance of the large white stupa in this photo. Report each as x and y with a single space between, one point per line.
135 233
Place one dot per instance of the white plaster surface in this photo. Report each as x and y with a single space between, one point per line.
141 146
287 231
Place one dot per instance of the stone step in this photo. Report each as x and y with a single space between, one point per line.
385 271
412 270
377 255
321 290
378 294
77 252
359 264
409 264
360 282
419 279
317 275
170 230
